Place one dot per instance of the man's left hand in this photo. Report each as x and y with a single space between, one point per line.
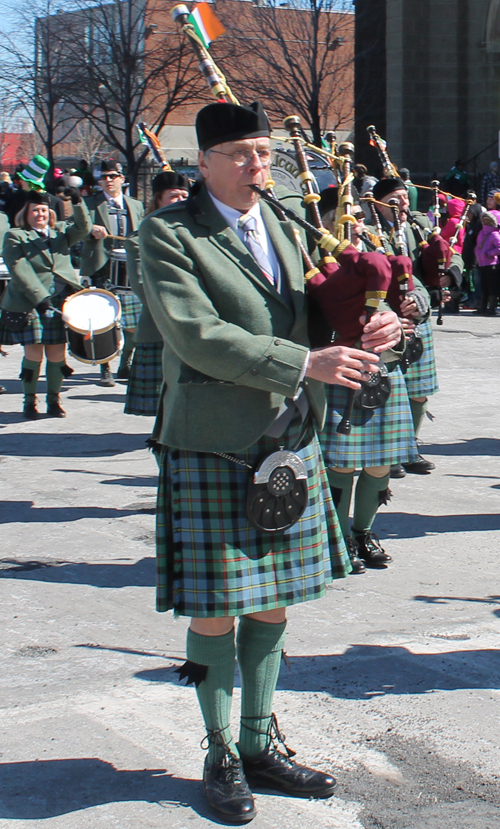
382 332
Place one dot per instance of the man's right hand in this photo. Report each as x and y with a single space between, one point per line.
342 366
99 232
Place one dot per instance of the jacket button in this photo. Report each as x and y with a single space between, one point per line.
254 371
277 342
270 357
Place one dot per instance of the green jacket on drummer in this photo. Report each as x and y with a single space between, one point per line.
33 264
95 253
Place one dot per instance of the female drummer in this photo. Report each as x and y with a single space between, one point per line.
37 254
145 381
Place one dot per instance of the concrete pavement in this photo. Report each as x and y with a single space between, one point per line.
392 679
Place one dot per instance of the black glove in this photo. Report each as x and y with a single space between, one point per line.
74 194
44 306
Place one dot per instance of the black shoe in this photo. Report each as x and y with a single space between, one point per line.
30 410
55 409
274 769
227 790
357 565
106 377
397 471
420 466
371 550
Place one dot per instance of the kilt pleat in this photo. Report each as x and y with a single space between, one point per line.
212 562
421 377
144 385
379 437
131 309
41 329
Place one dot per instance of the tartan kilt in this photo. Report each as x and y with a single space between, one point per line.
41 329
144 385
212 562
131 309
379 437
421 377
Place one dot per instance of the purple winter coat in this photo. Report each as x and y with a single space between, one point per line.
488 245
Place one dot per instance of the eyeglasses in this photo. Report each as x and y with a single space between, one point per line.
243 157
110 176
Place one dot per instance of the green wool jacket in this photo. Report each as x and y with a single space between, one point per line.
33 265
234 349
146 331
95 252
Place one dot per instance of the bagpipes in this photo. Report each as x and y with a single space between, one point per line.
435 251
346 285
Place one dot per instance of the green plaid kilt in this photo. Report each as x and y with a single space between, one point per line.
211 562
41 329
131 309
379 437
143 388
421 377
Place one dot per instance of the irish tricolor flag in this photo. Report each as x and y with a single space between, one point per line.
207 26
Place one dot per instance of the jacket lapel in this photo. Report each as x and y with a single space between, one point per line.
229 243
102 210
40 242
290 258
131 212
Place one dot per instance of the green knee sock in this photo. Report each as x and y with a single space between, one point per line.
418 411
216 690
259 649
341 486
128 348
29 375
55 376
370 494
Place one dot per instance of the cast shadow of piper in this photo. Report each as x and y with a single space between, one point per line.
41 789
366 671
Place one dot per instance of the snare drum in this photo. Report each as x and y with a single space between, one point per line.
118 269
4 276
92 318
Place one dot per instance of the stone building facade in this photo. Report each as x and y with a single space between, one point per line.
427 74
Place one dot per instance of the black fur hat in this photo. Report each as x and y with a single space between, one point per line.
386 186
217 123
170 180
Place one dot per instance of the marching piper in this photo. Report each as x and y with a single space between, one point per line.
223 277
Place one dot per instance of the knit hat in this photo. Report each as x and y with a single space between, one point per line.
170 180
493 164
492 194
35 172
491 218
218 123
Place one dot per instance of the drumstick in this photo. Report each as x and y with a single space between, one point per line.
120 238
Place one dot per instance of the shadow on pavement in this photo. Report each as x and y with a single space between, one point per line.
475 446
41 789
366 671
139 574
418 525
23 512
108 398
119 480
71 445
